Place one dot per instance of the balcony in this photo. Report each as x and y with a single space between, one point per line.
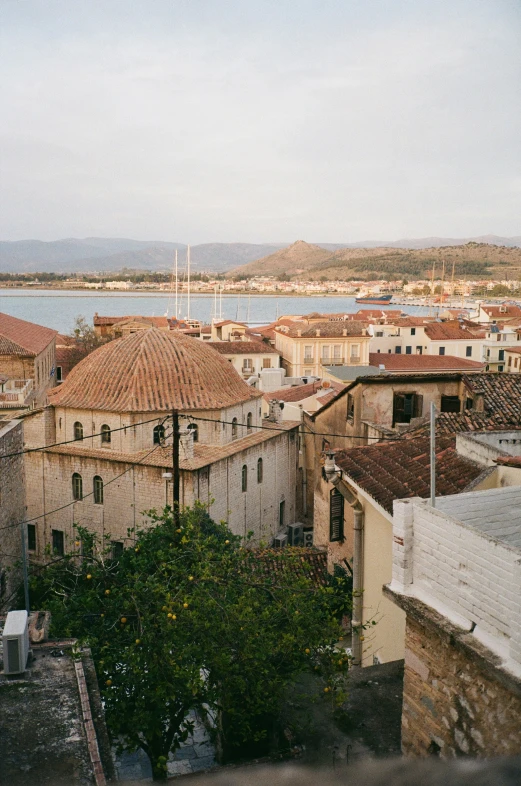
15 393
332 361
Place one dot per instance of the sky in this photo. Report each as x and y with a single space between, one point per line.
260 120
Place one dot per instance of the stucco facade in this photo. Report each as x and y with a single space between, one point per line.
12 509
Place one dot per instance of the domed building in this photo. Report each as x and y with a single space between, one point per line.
109 445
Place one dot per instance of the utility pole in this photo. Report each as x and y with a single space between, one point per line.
433 455
175 462
24 565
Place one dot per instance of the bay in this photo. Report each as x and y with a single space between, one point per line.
59 309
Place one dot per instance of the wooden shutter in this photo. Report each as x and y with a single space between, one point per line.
336 516
418 406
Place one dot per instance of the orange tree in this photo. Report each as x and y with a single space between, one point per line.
187 619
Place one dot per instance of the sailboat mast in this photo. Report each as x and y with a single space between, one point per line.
188 278
176 288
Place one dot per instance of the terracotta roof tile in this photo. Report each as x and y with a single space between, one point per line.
328 329
503 311
394 362
300 392
401 469
306 563
501 395
162 456
18 337
109 321
153 371
439 331
243 348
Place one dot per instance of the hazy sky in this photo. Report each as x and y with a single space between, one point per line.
260 120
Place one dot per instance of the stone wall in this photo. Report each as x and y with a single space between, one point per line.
131 489
12 509
457 700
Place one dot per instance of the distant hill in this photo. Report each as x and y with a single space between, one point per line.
471 260
113 254
110 255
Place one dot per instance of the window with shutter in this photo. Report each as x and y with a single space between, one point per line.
336 516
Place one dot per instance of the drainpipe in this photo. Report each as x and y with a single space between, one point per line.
334 476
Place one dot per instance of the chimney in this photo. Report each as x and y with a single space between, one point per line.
275 414
299 333
318 333
344 332
186 444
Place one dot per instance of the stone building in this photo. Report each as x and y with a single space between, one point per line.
12 508
114 414
27 359
457 576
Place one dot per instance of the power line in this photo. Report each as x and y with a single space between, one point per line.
68 441
278 430
90 494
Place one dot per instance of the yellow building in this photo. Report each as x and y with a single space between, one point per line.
307 349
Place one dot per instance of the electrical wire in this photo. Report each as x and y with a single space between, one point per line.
90 494
90 436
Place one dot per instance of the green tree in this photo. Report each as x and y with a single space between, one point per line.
187 618
84 340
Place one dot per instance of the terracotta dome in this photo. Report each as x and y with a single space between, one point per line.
153 371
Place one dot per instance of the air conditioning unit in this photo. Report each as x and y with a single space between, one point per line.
296 534
308 538
280 540
15 640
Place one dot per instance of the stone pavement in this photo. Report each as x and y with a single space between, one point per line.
195 755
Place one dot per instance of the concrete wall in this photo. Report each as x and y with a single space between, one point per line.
475 581
12 509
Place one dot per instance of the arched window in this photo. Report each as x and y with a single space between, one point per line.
249 422
159 435
194 428
78 430
244 478
106 436
98 490
77 487
234 428
260 470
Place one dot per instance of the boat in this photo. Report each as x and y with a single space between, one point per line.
375 300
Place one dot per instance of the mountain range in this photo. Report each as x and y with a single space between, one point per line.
109 255
468 260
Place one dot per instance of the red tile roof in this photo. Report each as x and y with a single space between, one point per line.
502 311
327 329
301 392
229 322
242 347
18 337
153 371
110 321
401 469
306 563
440 331
394 362
501 396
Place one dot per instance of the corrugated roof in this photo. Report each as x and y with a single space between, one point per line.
153 371
18 337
